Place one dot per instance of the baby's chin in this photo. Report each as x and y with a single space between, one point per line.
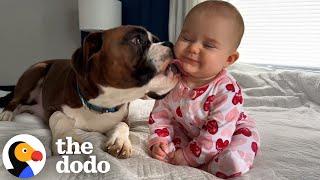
198 76
189 70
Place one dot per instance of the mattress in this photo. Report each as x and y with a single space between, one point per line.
285 104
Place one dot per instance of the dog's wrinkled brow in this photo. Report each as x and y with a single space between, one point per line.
135 32
155 39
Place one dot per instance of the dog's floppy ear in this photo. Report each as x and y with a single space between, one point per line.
80 58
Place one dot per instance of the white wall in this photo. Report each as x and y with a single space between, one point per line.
35 30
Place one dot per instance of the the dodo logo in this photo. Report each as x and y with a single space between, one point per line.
24 156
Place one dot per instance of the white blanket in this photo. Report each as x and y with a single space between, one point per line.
285 104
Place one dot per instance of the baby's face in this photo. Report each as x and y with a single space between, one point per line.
204 45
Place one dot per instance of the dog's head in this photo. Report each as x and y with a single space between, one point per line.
127 57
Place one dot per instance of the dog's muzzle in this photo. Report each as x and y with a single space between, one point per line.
173 68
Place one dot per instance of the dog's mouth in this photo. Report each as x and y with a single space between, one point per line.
173 67
171 73
176 68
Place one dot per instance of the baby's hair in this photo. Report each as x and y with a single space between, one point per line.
224 9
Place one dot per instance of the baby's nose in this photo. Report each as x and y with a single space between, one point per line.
194 48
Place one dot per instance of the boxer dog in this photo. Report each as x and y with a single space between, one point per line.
92 91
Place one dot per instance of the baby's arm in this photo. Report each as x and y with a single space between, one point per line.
217 131
161 131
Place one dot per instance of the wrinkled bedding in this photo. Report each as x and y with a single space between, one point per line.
285 104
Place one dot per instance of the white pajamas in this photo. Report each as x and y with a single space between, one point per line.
209 125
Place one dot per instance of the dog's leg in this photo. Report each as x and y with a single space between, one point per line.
61 127
30 80
7 113
118 143
6 116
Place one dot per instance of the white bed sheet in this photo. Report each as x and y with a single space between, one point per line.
285 104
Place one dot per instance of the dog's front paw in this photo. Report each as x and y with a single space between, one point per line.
118 146
6 116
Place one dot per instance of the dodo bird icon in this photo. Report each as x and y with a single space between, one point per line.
19 154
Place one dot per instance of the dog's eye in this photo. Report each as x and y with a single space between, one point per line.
136 40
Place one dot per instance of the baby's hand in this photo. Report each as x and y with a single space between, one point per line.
177 158
159 151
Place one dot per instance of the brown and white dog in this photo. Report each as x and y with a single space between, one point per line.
91 91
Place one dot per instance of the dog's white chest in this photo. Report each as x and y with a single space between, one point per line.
91 121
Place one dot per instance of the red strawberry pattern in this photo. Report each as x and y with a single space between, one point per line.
220 144
230 87
162 132
208 102
199 91
237 98
151 120
242 116
217 139
176 141
254 147
195 149
244 131
211 127
178 112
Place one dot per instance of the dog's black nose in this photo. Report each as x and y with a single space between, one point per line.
168 44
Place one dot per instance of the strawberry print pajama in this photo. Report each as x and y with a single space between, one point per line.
209 125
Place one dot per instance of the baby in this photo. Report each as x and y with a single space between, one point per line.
201 123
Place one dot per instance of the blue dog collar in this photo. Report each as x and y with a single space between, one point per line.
95 107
